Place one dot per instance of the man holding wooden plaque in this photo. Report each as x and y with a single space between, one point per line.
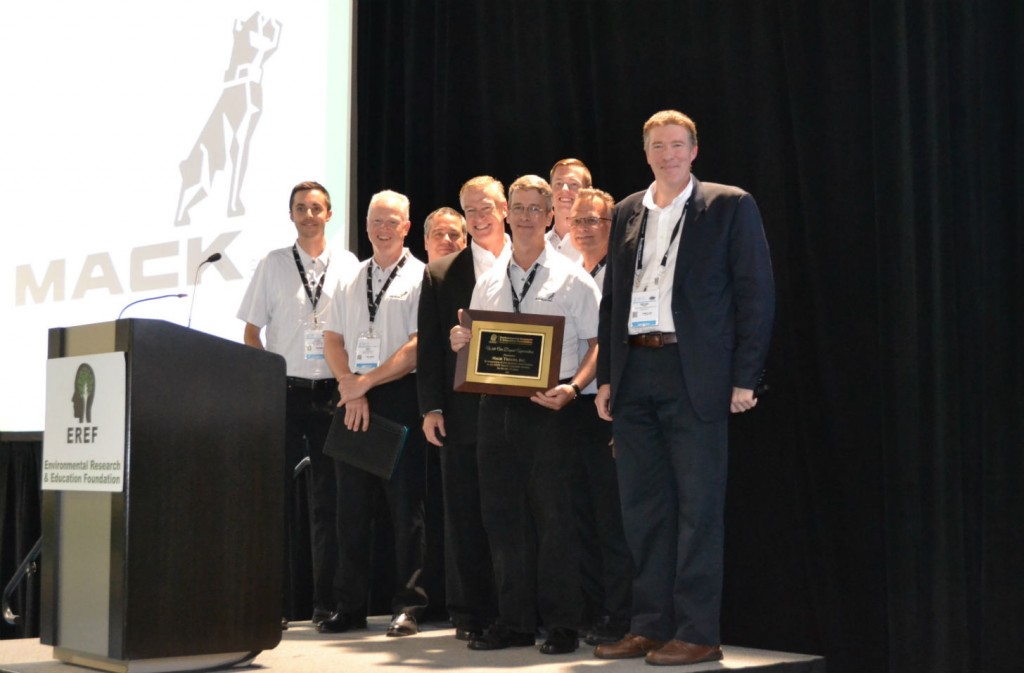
523 444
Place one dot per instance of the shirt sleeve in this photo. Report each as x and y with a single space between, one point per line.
255 304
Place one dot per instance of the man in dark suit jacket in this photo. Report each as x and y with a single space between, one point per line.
450 418
686 319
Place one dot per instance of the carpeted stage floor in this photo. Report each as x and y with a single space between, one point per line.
303 650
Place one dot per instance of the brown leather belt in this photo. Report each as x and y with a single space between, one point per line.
652 339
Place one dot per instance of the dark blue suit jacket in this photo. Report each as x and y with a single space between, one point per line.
723 295
447 286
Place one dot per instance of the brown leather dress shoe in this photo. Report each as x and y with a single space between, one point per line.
631 646
679 653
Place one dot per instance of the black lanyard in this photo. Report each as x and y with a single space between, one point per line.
599 266
374 304
516 299
313 297
643 239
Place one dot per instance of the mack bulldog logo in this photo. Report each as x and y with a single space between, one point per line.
225 138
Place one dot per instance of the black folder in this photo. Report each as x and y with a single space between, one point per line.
377 450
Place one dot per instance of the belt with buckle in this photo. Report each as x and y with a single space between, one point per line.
311 384
652 339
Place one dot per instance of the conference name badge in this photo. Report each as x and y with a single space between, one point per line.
367 352
643 311
313 344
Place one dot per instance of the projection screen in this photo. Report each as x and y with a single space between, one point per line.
139 139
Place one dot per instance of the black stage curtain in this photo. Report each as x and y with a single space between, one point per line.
875 506
20 527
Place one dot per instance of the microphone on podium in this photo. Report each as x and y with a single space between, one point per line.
209 260
139 301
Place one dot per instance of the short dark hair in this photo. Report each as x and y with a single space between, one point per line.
305 187
428 224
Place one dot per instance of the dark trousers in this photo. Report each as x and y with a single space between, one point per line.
606 566
307 419
469 575
672 473
404 495
523 454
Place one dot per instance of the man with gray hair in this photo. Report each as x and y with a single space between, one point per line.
524 443
370 345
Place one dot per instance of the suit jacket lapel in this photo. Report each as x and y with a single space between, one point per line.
632 235
695 209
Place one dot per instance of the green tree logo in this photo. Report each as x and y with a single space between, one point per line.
85 391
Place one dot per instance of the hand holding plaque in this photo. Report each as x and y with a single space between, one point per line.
509 353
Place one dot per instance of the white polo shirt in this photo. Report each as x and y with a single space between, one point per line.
395 321
277 300
560 287
563 245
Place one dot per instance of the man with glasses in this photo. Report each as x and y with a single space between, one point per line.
371 348
524 443
450 418
567 177
606 565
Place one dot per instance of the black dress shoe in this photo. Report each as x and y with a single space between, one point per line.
340 622
284 623
467 634
499 637
320 614
403 625
606 630
560 641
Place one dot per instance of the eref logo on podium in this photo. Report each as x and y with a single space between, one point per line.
83 445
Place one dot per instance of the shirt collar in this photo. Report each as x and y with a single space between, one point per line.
323 260
541 260
482 255
387 269
676 202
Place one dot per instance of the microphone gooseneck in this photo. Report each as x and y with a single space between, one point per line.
139 301
195 283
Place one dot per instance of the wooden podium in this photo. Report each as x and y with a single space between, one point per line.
181 569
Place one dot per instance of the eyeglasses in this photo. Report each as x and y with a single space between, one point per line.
589 221
531 211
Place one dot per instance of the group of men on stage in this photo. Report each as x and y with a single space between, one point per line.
557 518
